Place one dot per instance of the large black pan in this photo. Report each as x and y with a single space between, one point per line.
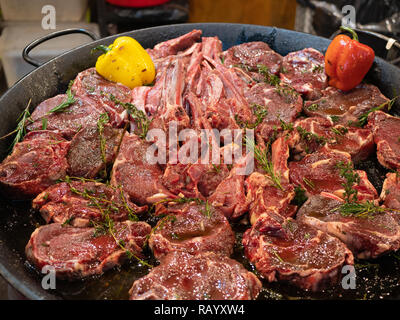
17 221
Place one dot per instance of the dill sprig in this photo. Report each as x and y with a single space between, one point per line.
103 119
362 120
265 163
65 104
137 115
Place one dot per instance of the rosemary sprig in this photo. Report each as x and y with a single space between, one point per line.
137 115
352 178
260 113
103 119
20 131
264 162
362 120
64 105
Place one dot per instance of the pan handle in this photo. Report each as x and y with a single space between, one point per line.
35 43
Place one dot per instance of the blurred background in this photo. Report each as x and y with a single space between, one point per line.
22 21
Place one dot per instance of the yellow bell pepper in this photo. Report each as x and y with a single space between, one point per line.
126 61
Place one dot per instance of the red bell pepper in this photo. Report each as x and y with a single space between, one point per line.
347 61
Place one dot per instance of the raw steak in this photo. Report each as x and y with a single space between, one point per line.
305 72
35 163
294 252
386 130
281 103
230 196
90 84
345 107
192 228
318 172
251 55
139 179
84 112
358 142
265 196
76 253
391 191
79 203
205 276
85 157
367 237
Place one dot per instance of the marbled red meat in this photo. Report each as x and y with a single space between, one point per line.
386 130
205 276
390 194
281 103
193 228
304 71
79 203
139 178
345 107
85 157
252 55
319 172
78 252
90 84
84 112
35 164
296 253
358 142
367 237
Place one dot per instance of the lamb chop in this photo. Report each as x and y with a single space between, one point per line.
35 164
368 235
77 253
204 276
81 203
191 227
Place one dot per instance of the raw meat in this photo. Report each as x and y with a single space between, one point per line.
81 203
386 130
205 276
76 253
367 237
251 55
191 228
296 253
140 179
85 157
35 163
84 112
305 72
345 107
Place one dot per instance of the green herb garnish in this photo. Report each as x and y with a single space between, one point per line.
103 119
265 163
64 105
362 120
137 115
